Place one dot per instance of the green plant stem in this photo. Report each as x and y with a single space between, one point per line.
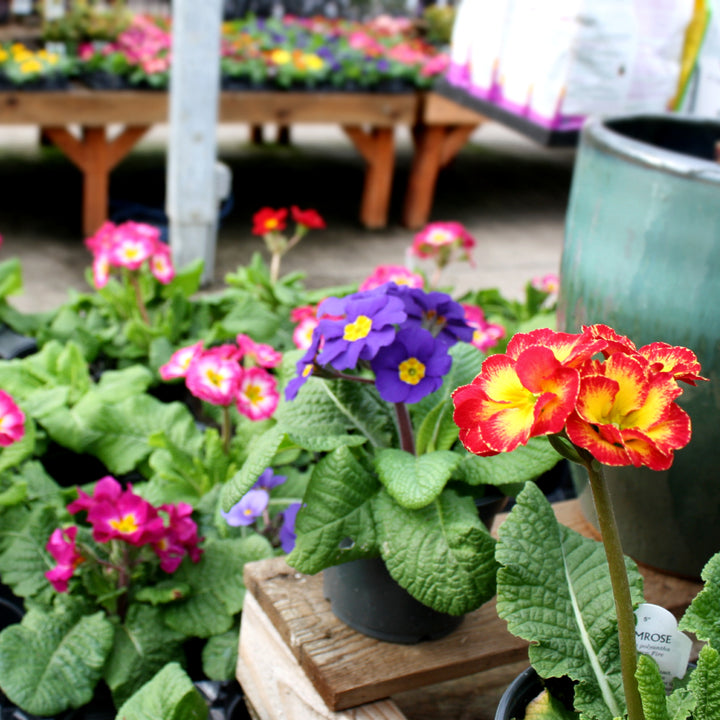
226 429
139 299
275 267
620 586
407 439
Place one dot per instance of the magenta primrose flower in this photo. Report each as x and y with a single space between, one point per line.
180 537
120 515
12 420
61 546
263 355
360 324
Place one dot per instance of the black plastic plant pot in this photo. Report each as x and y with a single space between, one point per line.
524 688
363 595
15 345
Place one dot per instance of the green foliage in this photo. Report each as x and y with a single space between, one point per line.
51 661
170 695
220 654
554 590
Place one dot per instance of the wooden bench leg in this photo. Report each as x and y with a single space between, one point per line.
377 147
95 156
435 147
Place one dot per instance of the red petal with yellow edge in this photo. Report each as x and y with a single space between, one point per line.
673 431
468 401
554 406
679 361
615 343
569 349
630 373
509 426
644 453
604 442
473 442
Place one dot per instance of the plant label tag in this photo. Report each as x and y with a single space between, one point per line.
656 635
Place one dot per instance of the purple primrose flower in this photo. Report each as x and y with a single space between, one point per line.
412 367
268 480
358 326
287 529
248 509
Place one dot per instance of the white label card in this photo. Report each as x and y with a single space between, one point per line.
656 635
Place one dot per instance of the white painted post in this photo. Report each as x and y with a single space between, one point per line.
191 203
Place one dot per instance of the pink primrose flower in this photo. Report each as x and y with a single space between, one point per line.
161 265
179 362
303 311
485 334
435 65
440 240
549 283
12 420
257 396
303 332
101 270
61 546
132 246
214 377
107 489
102 240
398 274
264 355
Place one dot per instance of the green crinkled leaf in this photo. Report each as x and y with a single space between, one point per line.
13 495
702 615
554 590
170 695
143 645
124 429
260 457
324 413
14 455
522 464
337 524
25 560
117 385
220 655
52 661
217 587
163 592
652 689
415 481
705 685
680 704
252 318
442 554
186 281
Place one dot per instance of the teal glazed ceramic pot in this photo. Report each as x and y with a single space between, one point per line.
642 254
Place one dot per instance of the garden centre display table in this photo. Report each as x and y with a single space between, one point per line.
368 119
296 660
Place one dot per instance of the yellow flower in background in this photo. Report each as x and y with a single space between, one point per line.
29 67
280 56
312 61
3 55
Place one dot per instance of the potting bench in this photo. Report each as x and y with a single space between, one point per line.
296 660
368 120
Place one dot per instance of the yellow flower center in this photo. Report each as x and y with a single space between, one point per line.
412 371
254 394
126 524
271 223
214 377
358 329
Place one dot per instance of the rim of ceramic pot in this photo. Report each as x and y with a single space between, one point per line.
610 135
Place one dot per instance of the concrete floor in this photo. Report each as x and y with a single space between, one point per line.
510 193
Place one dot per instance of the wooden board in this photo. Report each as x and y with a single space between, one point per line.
348 669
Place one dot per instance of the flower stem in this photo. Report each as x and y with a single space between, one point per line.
620 586
407 439
275 267
139 299
226 428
